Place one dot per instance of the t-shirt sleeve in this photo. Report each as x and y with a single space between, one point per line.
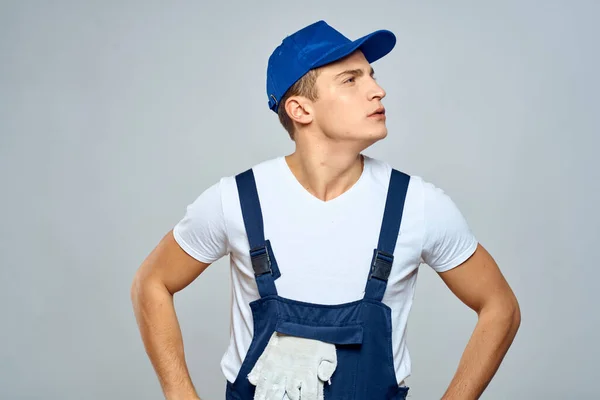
202 232
448 240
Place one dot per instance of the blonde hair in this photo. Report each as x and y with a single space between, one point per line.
305 87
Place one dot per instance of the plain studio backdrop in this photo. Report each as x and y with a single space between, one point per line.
115 115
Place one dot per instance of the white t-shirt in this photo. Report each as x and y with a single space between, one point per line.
324 249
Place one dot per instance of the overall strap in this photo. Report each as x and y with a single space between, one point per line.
383 255
263 260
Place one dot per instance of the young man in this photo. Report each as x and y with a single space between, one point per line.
325 245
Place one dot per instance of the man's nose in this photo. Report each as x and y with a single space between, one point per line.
376 91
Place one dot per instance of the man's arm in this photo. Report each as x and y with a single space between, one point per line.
480 285
166 270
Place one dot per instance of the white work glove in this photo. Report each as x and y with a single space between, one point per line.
293 365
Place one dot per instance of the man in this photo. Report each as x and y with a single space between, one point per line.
325 244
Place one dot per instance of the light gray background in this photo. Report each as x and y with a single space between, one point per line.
114 115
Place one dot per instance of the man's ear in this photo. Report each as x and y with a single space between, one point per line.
299 110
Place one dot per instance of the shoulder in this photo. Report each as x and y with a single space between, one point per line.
381 171
447 239
265 170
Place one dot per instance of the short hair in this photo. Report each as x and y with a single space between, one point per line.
306 87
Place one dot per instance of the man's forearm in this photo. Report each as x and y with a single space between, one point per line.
491 339
161 334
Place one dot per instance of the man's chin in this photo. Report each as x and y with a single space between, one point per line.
382 134
373 138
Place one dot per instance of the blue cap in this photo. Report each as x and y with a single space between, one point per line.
313 46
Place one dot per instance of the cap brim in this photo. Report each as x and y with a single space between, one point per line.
374 46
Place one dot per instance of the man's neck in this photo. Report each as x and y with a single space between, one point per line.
324 172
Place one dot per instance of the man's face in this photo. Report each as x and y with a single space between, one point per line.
348 95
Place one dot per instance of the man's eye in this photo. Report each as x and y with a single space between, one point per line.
349 80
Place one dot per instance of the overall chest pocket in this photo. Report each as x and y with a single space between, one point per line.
343 380
348 343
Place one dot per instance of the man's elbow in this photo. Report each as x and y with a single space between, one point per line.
144 286
134 289
516 315
505 311
511 314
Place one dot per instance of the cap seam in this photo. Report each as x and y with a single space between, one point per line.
274 85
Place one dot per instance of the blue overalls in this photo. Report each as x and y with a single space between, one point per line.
361 330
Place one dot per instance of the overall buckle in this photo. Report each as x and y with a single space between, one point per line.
261 262
381 265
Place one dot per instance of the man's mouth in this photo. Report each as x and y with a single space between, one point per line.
380 111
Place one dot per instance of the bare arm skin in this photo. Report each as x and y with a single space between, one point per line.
166 270
480 285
